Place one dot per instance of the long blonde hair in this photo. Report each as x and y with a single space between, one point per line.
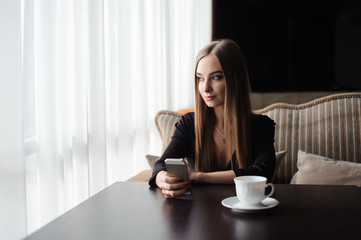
237 109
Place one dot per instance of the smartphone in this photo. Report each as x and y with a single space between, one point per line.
177 167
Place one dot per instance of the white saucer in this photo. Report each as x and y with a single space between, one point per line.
235 204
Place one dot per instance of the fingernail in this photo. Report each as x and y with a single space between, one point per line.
186 184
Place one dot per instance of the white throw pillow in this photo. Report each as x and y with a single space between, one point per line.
316 169
151 160
279 158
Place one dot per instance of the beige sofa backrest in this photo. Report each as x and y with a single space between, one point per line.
328 126
165 122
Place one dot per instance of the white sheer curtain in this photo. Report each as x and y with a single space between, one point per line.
88 77
12 167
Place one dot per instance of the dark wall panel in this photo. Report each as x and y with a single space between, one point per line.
295 45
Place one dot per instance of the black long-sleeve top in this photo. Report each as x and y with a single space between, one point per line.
262 137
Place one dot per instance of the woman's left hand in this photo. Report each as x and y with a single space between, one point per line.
192 174
171 185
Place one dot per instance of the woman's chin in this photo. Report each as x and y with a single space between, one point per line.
210 105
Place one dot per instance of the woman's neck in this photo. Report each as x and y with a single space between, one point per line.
219 114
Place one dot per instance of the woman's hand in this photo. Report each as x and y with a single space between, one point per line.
193 176
171 185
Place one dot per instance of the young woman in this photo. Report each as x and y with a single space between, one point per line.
222 139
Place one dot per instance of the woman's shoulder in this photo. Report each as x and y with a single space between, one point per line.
186 121
262 127
259 120
188 117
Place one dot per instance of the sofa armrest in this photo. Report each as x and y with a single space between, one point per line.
142 176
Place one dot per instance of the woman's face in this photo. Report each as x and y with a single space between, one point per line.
211 82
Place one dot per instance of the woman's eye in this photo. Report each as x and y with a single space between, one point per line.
217 77
199 78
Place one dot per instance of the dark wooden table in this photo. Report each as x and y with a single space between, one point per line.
130 210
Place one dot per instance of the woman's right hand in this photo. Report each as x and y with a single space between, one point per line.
171 185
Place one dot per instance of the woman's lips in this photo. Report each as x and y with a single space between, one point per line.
209 98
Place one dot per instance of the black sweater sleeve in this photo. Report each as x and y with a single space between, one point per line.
263 153
181 145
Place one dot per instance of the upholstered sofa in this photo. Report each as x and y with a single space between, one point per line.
315 136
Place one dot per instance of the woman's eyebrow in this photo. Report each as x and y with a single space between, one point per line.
216 72
212 73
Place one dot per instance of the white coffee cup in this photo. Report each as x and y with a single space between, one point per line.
251 189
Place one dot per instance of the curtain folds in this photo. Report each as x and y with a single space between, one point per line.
12 168
94 74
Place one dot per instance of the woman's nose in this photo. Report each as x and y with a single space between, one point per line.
206 86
